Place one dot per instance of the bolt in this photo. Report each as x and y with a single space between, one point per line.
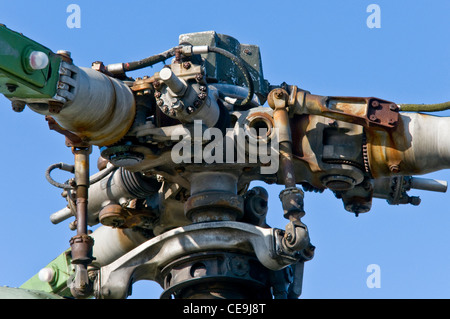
190 109
414 200
18 106
64 53
186 65
199 77
373 117
165 108
394 168
375 103
278 94
197 103
203 88
157 94
202 95
248 52
393 107
289 237
160 102
157 85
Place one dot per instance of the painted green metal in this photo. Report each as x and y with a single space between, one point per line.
17 79
20 293
63 271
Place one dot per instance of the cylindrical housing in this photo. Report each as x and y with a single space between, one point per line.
112 243
418 145
101 111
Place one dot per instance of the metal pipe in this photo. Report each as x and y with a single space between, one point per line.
81 244
427 184
291 197
172 81
82 185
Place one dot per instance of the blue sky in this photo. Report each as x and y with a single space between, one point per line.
322 46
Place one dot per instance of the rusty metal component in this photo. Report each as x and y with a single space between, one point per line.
18 106
292 202
365 111
291 197
72 140
277 100
417 146
144 85
81 249
114 215
100 67
81 244
327 153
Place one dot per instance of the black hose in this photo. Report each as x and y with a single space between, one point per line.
240 64
70 168
151 60
62 166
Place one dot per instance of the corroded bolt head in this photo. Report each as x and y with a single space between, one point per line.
278 93
394 168
393 107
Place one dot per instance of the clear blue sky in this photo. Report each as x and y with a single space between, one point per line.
322 46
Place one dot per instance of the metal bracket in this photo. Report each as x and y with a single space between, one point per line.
145 261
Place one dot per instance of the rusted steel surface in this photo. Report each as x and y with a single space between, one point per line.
417 146
277 100
366 111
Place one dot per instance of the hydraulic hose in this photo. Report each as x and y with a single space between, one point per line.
151 60
425 107
62 166
70 168
121 68
240 64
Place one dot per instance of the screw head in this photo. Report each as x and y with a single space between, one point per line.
186 65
